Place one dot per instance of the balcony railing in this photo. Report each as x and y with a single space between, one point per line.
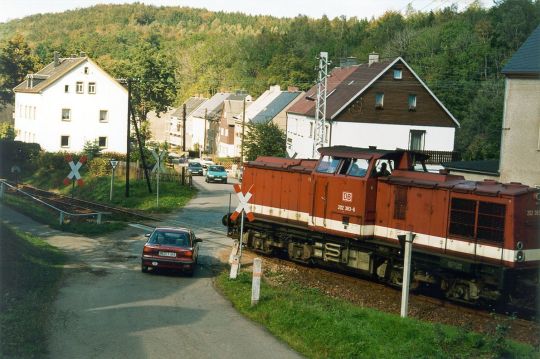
438 157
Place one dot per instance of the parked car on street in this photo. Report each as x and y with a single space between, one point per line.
195 168
216 173
205 162
172 248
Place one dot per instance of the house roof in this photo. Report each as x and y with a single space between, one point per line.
191 105
344 85
212 107
275 107
526 60
489 167
49 74
262 101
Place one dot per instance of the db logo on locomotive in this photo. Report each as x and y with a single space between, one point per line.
347 196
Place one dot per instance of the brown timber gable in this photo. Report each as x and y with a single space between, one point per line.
395 109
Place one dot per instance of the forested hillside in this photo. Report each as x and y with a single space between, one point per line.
458 54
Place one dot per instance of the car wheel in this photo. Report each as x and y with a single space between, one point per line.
190 272
144 269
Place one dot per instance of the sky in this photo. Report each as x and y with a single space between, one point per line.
14 9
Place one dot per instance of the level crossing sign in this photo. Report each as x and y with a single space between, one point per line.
243 203
74 170
159 166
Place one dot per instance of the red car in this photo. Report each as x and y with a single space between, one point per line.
172 248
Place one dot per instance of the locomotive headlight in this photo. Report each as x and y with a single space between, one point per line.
519 245
520 256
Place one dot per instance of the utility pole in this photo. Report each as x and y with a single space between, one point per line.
128 148
320 107
184 142
243 129
205 120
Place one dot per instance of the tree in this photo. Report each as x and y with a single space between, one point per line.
16 61
7 132
264 139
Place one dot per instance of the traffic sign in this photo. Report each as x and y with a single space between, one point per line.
159 166
243 204
74 170
113 163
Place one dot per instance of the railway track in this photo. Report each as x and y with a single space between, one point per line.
80 206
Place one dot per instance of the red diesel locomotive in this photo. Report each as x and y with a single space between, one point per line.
474 241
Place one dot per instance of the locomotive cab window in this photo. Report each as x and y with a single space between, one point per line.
328 164
358 167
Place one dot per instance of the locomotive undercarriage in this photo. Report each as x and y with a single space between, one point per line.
456 279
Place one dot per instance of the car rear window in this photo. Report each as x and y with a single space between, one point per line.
176 239
217 168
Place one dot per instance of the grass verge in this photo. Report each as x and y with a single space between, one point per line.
30 271
321 327
172 195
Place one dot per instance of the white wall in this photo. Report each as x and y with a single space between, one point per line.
520 142
47 127
299 140
390 137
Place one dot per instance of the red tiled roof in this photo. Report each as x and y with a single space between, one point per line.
343 85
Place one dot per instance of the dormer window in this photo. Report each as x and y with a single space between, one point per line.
79 87
379 100
398 74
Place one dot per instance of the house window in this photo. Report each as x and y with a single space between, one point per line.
79 87
103 116
102 141
64 141
66 114
311 130
379 100
416 140
91 87
398 74
66 88
86 70
412 102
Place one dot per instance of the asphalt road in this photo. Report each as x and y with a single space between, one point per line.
107 308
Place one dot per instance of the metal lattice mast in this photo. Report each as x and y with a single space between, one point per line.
320 107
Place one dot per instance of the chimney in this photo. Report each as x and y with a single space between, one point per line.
82 54
56 59
373 57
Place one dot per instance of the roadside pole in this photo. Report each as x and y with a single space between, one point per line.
157 180
113 163
158 167
406 274
256 281
241 209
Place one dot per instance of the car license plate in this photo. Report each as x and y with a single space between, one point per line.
167 254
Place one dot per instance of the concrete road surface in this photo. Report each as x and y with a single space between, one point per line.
107 308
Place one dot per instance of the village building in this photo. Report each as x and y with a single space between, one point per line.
520 140
383 104
69 103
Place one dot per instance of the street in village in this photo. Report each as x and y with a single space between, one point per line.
107 308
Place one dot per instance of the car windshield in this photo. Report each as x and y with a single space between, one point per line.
176 239
216 168
195 164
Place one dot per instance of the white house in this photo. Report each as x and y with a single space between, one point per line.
520 141
382 103
69 102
